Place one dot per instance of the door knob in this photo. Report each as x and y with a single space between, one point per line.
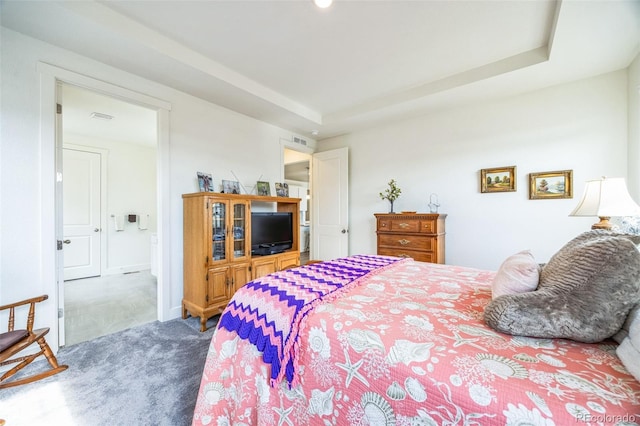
67 241
344 231
96 230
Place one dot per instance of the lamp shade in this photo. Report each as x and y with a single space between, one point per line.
605 198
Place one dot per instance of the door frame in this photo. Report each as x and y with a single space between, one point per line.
287 144
51 229
103 193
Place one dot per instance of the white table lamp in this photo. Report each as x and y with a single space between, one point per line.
606 198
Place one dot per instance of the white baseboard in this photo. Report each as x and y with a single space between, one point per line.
174 312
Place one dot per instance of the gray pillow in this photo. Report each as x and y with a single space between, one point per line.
633 317
585 293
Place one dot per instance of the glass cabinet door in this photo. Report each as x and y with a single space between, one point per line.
240 210
218 230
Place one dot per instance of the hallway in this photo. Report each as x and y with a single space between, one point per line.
98 306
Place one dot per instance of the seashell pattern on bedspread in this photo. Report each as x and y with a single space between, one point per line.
409 346
270 311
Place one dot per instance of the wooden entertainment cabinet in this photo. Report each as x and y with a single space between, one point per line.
217 248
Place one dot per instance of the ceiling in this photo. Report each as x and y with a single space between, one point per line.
129 123
352 66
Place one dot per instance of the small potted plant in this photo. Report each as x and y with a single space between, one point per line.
391 194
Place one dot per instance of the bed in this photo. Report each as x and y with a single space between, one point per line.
406 344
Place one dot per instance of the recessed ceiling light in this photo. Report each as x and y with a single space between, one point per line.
101 116
315 132
323 4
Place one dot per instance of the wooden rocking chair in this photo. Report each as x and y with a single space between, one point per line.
14 341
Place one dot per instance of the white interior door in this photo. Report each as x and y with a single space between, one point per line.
330 204
81 206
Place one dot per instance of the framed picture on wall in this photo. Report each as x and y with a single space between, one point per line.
263 188
550 185
499 179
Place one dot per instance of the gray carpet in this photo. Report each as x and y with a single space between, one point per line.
146 375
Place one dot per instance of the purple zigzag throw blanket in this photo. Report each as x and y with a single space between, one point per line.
269 311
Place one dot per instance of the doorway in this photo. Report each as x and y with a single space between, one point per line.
109 192
297 174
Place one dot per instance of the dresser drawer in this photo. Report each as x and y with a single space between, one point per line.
403 241
415 255
407 225
428 226
384 225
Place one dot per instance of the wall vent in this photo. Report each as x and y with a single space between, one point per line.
299 141
101 116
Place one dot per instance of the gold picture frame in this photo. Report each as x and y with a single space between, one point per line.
551 185
498 179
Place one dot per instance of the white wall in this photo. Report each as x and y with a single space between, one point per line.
203 137
292 156
131 189
580 126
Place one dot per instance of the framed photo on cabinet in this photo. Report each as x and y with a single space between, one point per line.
263 188
230 187
205 182
550 185
282 189
499 179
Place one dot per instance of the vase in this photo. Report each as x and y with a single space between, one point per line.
391 209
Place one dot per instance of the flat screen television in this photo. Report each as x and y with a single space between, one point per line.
271 232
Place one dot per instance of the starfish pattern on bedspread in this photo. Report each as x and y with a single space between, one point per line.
270 311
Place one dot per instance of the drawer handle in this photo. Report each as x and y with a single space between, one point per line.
404 255
403 225
404 242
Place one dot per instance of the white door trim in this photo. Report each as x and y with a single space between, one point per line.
50 231
104 153
59 256
103 87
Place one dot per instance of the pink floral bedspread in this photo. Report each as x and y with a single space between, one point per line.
409 347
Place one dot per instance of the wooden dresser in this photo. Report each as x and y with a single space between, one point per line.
416 235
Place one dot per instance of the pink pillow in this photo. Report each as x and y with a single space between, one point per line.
519 273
